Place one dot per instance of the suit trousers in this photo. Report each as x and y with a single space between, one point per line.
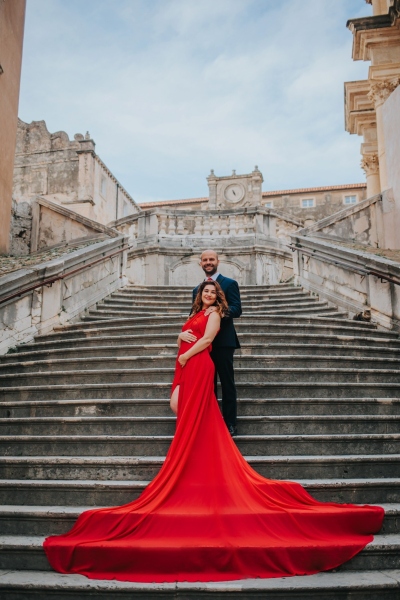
222 357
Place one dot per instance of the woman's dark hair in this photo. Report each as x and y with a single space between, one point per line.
220 301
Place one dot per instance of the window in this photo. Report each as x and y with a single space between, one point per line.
307 202
350 199
269 204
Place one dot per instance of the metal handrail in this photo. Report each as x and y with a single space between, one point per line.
339 263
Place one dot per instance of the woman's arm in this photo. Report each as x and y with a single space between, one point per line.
211 331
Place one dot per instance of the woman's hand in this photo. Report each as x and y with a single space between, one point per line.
183 359
187 336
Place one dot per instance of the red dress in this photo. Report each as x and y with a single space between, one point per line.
207 515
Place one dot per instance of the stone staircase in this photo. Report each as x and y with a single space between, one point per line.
85 421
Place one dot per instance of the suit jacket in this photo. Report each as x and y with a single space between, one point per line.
227 336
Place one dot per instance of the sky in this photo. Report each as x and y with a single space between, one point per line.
169 89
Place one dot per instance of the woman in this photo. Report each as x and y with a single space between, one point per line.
207 515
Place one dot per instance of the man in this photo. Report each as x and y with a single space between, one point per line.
226 341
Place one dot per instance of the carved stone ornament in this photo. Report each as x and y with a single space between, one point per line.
370 164
381 90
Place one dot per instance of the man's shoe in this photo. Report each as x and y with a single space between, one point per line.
232 430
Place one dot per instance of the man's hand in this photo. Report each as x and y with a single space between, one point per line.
209 310
182 360
187 336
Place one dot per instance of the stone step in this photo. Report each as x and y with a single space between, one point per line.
161 289
160 319
250 407
157 306
165 425
142 468
54 520
260 340
260 445
284 389
111 493
243 326
26 553
137 351
346 585
303 307
185 300
286 374
159 361
160 407
187 293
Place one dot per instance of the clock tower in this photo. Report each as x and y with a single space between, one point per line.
235 191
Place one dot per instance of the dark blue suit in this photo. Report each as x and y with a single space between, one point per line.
223 348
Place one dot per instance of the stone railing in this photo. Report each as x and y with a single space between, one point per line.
350 277
179 226
361 223
36 299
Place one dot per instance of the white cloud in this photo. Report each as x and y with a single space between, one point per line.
172 88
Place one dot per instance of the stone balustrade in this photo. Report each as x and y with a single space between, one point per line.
173 225
36 299
165 244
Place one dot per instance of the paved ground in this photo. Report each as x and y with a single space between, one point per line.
13 263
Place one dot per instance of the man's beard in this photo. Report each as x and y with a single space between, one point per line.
210 273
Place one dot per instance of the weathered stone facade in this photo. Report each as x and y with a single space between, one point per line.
21 228
368 112
352 258
67 172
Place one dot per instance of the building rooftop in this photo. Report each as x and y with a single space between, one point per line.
308 190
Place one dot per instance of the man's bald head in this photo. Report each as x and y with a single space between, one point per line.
209 262
209 251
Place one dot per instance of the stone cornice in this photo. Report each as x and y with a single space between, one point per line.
359 109
379 29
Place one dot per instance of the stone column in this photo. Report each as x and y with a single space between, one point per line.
86 155
370 164
212 186
380 90
379 7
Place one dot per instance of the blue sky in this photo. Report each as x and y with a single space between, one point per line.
172 88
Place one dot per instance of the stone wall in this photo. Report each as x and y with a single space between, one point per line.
352 279
12 19
21 228
54 225
67 172
79 280
391 122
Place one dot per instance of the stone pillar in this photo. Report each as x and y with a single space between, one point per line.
86 155
212 186
380 90
370 164
12 20
379 7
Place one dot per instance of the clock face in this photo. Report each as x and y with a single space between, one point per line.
234 193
